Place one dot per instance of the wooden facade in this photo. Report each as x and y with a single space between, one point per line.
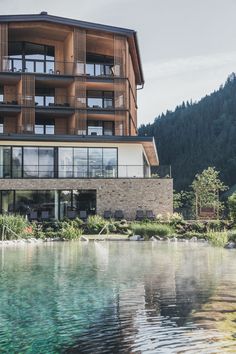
69 78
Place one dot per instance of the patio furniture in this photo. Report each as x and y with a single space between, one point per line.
150 215
107 214
45 215
71 214
33 215
83 214
119 215
140 215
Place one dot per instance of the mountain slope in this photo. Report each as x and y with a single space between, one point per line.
199 135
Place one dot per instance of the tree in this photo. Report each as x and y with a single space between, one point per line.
232 206
207 187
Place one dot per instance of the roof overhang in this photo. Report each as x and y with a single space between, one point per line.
148 143
130 34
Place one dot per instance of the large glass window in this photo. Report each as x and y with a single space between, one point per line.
37 205
1 125
100 99
16 162
44 97
80 162
95 162
65 162
110 163
5 162
97 127
38 162
99 65
31 57
44 126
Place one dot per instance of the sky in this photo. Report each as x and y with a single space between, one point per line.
187 46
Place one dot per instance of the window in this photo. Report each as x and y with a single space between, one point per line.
99 65
5 162
44 126
87 162
31 57
100 127
42 162
16 162
65 162
1 125
44 97
1 93
38 162
100 99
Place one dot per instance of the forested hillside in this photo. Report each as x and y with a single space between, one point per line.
199 135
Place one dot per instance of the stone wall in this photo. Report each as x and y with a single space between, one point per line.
112 194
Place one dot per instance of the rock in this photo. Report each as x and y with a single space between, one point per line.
135 238
193 239
201 240
158 238
83 238
173 239
182 240
230 245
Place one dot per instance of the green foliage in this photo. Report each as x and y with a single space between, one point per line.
232 207
232 235
16 223
197 135
151 229
95 224
217 238
69 232
206 187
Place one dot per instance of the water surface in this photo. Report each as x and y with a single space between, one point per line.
117 297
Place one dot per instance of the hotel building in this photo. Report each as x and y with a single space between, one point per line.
68 121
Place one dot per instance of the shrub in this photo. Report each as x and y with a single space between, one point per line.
68 232
232 206
95 224
17 226
217 238
232 235
151 229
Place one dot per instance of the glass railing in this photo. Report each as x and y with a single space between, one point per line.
82 171
54 67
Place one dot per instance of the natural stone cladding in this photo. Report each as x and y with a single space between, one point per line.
112 194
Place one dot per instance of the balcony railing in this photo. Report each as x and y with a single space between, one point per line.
81 171
52 67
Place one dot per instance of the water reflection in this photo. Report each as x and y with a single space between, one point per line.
117 298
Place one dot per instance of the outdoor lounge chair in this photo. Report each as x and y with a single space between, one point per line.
45 215
119 215
107 214
71 214
83 214
33 215
150 215
140 215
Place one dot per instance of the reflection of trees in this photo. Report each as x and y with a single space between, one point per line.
74 297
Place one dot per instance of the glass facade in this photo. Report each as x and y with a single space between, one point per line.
87 162
31 57
53 162
47 204
98 127
100 99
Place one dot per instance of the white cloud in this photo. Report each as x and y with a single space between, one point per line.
180 66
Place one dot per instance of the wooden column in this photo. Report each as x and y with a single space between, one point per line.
3 47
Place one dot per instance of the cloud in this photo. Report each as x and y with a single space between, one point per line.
180 66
